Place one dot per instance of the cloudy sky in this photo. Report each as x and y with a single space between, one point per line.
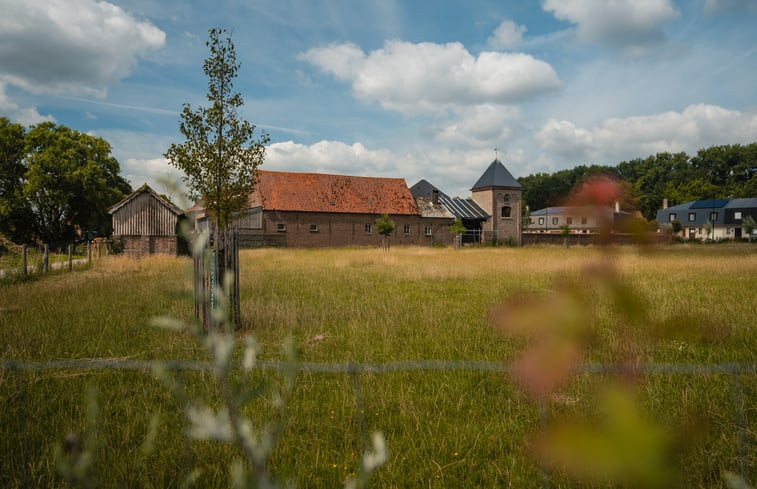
410 89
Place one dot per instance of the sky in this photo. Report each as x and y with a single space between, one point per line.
415 89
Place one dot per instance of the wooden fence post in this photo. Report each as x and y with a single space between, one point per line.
23 260
89 252
45 257
70 257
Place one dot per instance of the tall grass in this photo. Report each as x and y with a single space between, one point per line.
443 428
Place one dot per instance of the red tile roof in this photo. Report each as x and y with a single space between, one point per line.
317 192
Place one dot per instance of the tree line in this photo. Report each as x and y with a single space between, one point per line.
717 172
56 183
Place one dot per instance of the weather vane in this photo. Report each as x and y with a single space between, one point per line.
496 153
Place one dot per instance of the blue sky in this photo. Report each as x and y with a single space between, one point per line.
409 89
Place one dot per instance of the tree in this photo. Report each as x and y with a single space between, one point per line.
220 154
748 225
457 229
219 158
385 227
57 182
14 213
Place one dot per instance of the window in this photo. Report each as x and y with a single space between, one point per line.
713 216
692 216
541 221
554 221
406 229
506 198
314 228
507 212
281 227
427 230
672 217
368 228
737 215
568 221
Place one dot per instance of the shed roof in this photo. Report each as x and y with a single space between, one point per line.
319 192
459 207
496 176
145 189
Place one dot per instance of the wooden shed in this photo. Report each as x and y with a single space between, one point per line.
146 223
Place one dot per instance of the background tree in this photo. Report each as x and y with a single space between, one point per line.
748 225
55 181
14 213
220 154
385 227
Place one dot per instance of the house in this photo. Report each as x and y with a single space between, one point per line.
578 219
725 216
146 223
322 210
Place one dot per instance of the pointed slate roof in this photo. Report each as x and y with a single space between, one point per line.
496 176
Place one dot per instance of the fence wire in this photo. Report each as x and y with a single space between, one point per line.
733 370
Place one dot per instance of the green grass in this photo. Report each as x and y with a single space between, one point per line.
443 428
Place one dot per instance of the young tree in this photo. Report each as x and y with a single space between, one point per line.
220 154
219 158
748 225
457 229
385 227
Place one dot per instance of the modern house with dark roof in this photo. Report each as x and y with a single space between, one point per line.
726 216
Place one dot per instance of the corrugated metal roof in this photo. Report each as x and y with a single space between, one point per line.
496 176
318 192
460 208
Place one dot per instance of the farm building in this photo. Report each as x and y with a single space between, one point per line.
319 210
308 210
146 223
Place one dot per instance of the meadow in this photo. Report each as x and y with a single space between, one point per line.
426 325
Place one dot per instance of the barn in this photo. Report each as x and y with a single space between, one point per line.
146 223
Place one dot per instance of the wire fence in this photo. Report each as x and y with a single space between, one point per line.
733 371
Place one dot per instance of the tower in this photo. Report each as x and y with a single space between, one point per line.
500 195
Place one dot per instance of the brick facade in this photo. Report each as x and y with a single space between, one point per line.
320 229
148 245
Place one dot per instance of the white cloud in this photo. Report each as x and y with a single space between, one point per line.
71 46
614 140
482 125
625 23
158 174
428 77
329 157
26 116
507 35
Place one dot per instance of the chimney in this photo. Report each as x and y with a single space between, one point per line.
434 196
664 203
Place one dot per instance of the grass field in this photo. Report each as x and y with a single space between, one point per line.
444 428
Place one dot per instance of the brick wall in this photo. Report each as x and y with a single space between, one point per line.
313 229
149 245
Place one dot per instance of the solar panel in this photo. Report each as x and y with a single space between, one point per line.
709 204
